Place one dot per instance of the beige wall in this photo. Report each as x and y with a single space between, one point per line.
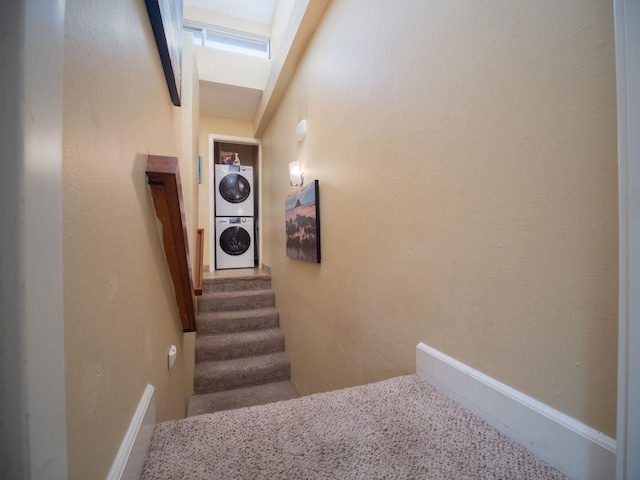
190 141
120 311
466 153
188 164
230 127
281 15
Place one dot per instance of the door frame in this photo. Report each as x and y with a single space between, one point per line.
33 434
214 137
627 39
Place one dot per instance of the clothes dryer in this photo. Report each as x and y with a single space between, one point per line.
234 242
234 191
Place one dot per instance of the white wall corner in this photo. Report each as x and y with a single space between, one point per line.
575 449
132 454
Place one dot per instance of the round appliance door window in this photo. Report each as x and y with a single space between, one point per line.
234 188
235 241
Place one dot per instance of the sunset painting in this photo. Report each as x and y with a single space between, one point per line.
303 224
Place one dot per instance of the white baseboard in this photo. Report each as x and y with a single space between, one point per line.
133 450
575 449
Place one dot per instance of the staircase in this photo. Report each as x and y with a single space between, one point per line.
240 358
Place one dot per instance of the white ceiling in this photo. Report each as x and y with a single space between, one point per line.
260 11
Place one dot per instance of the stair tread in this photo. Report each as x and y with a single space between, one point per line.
244 363
236 300
213 323
223 315
231 284
239 344
222 339
233 278
241 293
223 375
241 397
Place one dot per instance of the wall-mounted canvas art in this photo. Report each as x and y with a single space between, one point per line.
303 223
166 23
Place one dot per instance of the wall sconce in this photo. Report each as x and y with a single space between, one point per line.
296 177
301 130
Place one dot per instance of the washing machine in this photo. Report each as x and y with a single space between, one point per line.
234 191
234 242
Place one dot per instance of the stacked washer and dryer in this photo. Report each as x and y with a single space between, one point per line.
234 228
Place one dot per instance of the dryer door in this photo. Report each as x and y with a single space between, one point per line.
235 241
234 188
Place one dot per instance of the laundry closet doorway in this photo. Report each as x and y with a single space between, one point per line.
227 149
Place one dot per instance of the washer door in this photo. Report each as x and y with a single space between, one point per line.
235 241
234 188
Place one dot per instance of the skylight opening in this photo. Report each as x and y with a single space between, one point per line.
231 42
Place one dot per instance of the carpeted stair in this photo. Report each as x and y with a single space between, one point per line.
240 358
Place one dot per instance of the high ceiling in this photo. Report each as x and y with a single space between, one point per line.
255 10
224 99
233 85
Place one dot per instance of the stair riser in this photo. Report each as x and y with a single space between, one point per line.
243 284
211 353
242 397
237 324
236 379
238 302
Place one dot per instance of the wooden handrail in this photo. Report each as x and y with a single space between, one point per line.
166 190
199 261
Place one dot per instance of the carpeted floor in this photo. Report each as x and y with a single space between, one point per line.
400 428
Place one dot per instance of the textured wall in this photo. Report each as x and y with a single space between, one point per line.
188 164
466 153
120 311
